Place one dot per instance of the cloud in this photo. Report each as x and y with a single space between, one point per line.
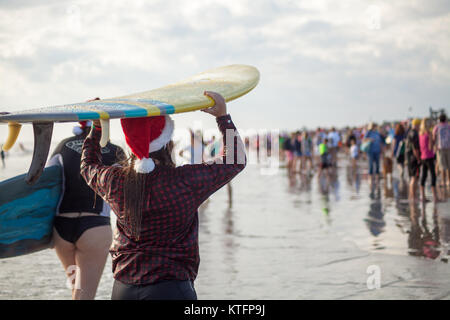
319 60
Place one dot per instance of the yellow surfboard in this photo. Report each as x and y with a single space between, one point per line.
184 96
231 82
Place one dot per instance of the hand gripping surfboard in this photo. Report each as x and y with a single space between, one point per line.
231 82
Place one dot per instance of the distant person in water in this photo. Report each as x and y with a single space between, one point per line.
195 148
354 153
318 139
428 157
155 253
2 155
82 231
297 164
307 151
269 144
333 143
289 151
441 135
413 158
325 158
214 147
215 150
398 152
374 152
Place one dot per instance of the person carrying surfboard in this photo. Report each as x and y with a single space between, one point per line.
82 231
155 251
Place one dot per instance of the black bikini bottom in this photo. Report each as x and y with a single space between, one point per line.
71 229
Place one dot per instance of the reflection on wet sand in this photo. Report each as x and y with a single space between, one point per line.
375 217
354 178
424 226
291 237
428 236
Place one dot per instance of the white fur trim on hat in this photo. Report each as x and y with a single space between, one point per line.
77 130
164 138
145 165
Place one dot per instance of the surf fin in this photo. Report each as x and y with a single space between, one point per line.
14 130
42 139
105 132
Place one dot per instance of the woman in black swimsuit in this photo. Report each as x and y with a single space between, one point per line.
82 232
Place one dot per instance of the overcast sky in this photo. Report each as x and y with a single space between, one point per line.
322 63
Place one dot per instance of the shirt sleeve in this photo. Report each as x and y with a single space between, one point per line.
104 180
206 178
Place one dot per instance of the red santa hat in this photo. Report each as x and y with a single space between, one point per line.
146 135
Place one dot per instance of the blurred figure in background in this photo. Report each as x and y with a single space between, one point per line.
289 148
324 159
307 151
281 139
441 134
298 157
196 148
2 155
318 139
398 152
214 147
350 136
216 150
333 141
374 152
428 157
269 144
354 154
413 157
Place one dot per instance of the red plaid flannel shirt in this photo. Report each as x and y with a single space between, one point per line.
168 244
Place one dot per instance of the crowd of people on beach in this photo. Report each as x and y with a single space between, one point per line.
421 147
415 150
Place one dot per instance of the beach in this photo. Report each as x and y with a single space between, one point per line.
283 238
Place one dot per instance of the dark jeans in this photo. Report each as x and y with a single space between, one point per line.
413 167
163 290
374 162
428 164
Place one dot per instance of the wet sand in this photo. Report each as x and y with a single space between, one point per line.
282 239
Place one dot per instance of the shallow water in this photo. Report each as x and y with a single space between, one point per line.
283 239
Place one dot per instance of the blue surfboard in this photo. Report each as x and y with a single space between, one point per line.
27 212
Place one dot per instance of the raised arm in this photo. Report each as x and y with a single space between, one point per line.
104 180
207 178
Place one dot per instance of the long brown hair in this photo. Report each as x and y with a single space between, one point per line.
399 129
135 188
